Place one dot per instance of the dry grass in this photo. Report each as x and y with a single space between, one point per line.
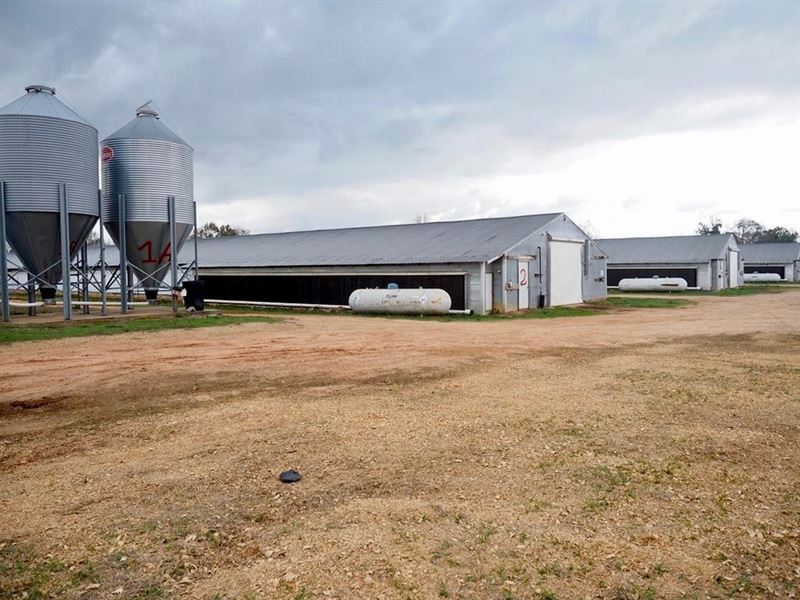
654 460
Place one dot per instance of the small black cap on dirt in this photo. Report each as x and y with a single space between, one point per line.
290 476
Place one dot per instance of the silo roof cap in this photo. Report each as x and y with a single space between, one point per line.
35 87
41 101
147 125
145 110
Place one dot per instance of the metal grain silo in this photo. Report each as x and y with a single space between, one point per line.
43 144
146 163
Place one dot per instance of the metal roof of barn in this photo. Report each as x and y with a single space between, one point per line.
771 253
476 240
666 250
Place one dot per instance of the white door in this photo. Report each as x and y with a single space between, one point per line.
523 269
488 293
733 269
566 272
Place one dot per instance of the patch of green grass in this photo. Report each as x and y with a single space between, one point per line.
395 581
22 574
86 573
533 505
605 480
722 502
541 313
441 590
742 290
634 592
551 569
639 302
152 591
595 505
536 313
749 290
659 569
608 478
485 533
442 552
586 310
63 329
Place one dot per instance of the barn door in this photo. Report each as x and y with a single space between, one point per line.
733 269
523 268
566 272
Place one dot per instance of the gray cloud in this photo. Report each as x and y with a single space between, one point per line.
306 103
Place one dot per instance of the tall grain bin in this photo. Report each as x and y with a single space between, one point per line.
43 144
147 163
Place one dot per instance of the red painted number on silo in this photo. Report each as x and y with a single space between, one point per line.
165 255
148 246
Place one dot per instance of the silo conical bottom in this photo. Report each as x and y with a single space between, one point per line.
148 250
36 238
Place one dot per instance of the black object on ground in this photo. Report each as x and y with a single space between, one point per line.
290 476
195 295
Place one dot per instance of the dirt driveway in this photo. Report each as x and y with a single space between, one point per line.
639 454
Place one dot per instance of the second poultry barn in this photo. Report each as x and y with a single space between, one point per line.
706 262
499 264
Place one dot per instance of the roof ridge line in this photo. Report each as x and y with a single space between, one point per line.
387 225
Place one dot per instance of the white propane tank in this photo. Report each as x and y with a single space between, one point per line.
761 277
418 301
654 284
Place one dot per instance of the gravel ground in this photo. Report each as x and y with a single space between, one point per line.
637 454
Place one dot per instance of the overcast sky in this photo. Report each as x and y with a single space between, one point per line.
634 118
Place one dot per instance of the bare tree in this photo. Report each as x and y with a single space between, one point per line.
747 231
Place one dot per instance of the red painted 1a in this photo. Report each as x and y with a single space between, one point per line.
147 247
106 153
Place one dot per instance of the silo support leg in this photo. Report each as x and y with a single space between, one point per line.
173 251
3 258
31 296
194 235
66 275
85 278
123 255
103 293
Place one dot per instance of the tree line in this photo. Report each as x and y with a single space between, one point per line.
212 230
749 231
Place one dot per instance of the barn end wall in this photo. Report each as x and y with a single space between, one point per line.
534 249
